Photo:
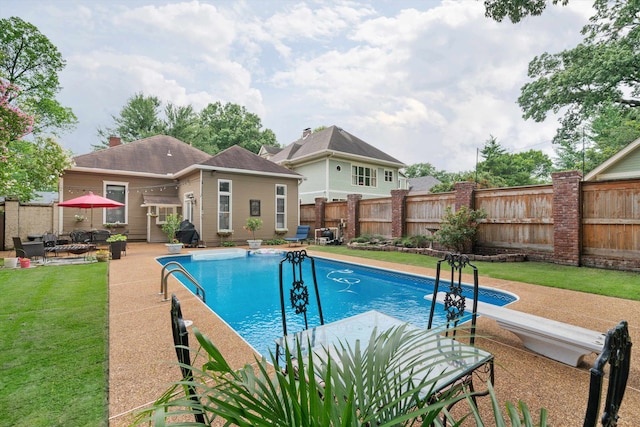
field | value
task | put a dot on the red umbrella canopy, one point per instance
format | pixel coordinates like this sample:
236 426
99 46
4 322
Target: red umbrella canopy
89 201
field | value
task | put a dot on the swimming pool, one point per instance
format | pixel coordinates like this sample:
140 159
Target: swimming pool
244 291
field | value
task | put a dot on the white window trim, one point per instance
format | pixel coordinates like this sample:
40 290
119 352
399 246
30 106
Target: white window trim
105 184
230 193
284 197
374 175
385 174
189 199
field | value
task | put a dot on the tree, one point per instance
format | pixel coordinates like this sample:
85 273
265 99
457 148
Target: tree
590 80
30 61
516 9
420 169
458 229
32 166
222 126
212 130
137 119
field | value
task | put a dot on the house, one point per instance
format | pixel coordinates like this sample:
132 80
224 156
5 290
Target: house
161 175
335 163
625 164
422 183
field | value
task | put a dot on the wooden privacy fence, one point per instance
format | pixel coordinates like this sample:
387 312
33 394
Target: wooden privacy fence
567 222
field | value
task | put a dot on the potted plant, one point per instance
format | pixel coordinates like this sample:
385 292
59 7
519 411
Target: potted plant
102 255
116 243
170 228
253 224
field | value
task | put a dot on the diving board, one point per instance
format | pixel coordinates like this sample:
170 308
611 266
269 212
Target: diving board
557 340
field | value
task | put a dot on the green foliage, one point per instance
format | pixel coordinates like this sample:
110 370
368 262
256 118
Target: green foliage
228 244
253 224
515 10
116 238
458 229
511 170
274 242
420 169
212 130
586 81
31 62
54 354
171 227
32 166
418 241
367 387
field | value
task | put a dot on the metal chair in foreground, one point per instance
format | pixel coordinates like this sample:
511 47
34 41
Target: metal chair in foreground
299 291
617 353
181 344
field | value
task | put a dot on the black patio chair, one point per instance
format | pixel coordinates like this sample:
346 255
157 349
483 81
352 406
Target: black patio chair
29 249
456 311
181 344
298 292
617 353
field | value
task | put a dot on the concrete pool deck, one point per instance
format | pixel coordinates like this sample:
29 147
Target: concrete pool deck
142 359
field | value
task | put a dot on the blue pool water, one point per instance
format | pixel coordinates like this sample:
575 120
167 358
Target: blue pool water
245 292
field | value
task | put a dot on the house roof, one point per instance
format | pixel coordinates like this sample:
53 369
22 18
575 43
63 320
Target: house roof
330 141
167 156
422 183
622 165
238 158
160 154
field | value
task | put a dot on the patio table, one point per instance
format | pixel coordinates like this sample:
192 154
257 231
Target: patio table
450 361
76 249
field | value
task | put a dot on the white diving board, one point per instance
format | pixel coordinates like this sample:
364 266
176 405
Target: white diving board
557 340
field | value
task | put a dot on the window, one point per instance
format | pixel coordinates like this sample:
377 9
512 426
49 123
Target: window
165 211
224 204
365 176
388 176
281 207
189 203
117 192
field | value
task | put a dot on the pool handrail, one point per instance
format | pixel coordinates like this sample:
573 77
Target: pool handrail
165 273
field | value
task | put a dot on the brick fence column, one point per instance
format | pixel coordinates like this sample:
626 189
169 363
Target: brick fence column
567 217
465 194
353 217
319 211
398 213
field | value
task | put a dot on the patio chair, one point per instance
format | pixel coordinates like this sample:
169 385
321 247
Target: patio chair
29 249
181 344
456 312
302 233
617 353
298 291
99 237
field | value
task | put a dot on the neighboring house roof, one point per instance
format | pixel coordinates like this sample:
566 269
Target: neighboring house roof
330 141
167 156
422 183
238 158
158 154
622 165
267 151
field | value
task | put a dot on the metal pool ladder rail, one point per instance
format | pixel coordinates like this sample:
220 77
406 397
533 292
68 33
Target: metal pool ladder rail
165 273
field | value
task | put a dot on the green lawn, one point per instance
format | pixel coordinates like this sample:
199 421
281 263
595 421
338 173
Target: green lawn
53 346
618 284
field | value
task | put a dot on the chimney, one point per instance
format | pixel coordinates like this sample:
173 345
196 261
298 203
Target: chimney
306 133
114 141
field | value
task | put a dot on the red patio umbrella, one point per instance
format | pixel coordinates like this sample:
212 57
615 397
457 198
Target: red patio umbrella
90 201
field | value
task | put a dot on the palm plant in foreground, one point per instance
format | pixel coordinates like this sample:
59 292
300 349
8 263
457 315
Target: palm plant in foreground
340 386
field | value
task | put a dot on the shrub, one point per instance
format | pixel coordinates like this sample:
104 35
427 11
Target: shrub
458 229
228 244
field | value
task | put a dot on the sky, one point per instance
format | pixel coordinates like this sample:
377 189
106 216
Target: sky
426 81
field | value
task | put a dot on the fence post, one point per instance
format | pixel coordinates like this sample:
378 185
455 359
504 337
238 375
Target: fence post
398 213
465 195
319 209
353 217
567 217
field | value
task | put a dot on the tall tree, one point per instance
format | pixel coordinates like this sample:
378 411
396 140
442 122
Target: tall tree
222 126
138 119
515 10
420 169
586 82
31 62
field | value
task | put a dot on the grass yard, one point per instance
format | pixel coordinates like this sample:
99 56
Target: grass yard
54 346
620 284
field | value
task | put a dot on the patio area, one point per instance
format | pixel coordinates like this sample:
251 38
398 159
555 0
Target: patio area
142 359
